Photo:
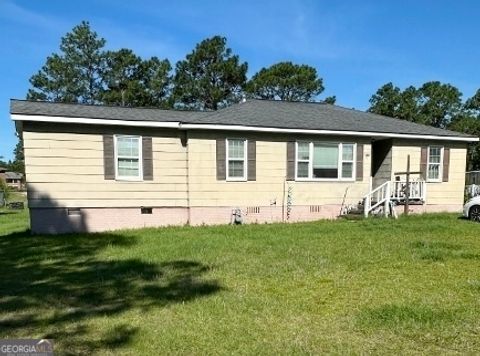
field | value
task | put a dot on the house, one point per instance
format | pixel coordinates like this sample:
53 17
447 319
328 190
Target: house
96 168
12 179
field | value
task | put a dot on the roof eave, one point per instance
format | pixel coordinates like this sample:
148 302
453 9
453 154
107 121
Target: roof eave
327 132
20 118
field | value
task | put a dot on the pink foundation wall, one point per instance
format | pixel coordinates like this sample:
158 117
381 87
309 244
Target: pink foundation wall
57 220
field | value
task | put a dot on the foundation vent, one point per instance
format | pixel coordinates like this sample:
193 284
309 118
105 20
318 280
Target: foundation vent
145 210
315 208
253 210
73 211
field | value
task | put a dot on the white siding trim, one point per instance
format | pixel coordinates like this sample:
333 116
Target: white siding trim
81 120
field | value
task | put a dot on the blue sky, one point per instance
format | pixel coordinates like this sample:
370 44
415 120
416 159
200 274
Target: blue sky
356 46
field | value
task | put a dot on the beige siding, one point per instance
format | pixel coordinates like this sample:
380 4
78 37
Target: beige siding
66 169
438 193
270 185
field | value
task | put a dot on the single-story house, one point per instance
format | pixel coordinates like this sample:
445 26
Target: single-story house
12 179
97 168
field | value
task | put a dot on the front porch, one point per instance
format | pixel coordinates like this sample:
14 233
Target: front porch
389 188
383 198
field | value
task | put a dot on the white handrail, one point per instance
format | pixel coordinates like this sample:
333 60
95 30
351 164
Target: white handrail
377 197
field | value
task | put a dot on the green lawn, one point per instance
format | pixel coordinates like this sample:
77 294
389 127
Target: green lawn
375 286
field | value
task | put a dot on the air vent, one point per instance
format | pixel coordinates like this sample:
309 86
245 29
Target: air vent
253 210
315 208
145 210
74 211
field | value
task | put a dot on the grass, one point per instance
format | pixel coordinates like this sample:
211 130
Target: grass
370 286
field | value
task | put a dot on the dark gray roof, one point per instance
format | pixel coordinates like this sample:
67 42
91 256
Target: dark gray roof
26 107
257 113
13 175
316 116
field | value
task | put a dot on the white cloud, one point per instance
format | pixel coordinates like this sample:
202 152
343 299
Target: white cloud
15 13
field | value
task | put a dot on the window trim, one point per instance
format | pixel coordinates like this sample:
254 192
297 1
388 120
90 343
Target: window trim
118 177
440 165
245 160
339 162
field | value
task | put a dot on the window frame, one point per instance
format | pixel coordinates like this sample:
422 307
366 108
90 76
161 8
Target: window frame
245 160
440 165
118 177
340 161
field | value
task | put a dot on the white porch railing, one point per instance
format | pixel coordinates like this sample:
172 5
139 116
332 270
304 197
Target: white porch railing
377 197
417 190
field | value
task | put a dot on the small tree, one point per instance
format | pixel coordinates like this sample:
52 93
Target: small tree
4 190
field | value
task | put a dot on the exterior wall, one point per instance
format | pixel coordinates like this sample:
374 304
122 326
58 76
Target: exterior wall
441 196
64 167
270 187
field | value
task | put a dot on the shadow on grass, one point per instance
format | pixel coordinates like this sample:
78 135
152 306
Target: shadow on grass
439 251
53 285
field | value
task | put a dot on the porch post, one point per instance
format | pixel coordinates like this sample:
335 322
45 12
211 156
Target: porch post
407 188
386 207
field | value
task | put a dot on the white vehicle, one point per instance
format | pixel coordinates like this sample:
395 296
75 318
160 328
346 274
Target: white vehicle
471 209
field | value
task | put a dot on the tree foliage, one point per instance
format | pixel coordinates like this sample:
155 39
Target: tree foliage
433 104
74 75
438 104
210 76
286 81
131 81
83 72
330 100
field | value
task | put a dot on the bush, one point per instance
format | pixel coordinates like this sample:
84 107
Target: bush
5 189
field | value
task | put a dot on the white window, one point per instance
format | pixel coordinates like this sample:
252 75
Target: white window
128 157
435 158
325 161
236 159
